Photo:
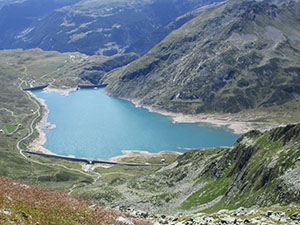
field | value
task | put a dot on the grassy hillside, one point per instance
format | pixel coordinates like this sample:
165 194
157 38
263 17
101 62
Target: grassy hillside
261 169
241 57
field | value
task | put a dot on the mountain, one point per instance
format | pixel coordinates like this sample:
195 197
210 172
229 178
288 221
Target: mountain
142 46
239 56
260 169
93 27
243 55
8 2
17 17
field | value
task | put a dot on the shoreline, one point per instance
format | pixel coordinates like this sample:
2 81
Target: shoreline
37 144
218 120
62 91
126 154
236 126
214 120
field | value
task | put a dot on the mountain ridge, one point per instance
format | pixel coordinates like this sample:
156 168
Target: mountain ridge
230 59
93 27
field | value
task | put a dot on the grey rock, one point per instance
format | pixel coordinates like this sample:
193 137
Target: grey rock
228 220
124 221
295 216
6 212
246 221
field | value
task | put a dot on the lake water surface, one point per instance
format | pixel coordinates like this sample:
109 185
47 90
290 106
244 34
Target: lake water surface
93 125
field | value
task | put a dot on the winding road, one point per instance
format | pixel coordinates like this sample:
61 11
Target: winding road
96 175
90 169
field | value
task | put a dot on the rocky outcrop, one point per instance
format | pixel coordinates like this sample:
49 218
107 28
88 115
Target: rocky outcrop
273 215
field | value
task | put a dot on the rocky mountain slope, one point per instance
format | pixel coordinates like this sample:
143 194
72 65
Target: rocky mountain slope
93 27
261 169
242 55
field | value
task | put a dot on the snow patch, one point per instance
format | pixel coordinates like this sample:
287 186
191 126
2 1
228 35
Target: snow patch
24 33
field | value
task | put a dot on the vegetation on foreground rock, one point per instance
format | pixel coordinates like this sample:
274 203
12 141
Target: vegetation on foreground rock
24 204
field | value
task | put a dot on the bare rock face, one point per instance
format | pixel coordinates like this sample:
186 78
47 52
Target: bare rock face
241 55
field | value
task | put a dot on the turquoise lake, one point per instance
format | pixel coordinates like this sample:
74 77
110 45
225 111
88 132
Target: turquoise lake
91 124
